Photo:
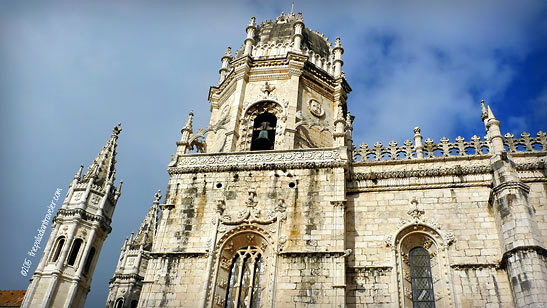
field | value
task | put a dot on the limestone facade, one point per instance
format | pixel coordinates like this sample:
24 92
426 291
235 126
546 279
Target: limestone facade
313 221
271 204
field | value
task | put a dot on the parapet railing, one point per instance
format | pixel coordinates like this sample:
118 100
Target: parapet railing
445 148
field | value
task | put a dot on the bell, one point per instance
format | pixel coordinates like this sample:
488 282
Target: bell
262 142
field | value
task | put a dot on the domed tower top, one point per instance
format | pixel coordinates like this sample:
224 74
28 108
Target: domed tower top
287 33
284 89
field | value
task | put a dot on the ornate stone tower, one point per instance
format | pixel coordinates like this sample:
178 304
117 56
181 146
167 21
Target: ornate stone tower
63 276
126 284
282 90
267 190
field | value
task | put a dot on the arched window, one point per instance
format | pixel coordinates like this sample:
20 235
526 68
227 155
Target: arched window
74 251
57 249
264 132
119 303
421 279
244 280
89 259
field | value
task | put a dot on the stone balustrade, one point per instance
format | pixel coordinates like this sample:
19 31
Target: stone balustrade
445 148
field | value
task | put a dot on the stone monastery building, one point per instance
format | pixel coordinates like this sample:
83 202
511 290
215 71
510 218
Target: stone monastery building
278 208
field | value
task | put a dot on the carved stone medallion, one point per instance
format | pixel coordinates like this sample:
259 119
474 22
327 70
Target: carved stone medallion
315 108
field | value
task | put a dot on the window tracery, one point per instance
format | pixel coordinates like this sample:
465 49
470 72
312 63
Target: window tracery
243 272
421 279
246 271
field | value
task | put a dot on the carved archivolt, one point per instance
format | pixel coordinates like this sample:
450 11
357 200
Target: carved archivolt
251 112
244 237
419 231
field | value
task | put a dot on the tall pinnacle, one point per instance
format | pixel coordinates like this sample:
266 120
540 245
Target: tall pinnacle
103 167
146 232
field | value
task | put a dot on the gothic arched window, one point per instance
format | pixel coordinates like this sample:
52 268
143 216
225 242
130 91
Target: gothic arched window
244 280
58 247
74 251
421 278
264 132
119 303
88 261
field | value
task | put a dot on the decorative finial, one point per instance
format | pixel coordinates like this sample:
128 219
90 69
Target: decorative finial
117 129
157 197
292 8
253 22
188 124
337 43
484 111
78 174
349 120
119 190
228 52
299 16
417 130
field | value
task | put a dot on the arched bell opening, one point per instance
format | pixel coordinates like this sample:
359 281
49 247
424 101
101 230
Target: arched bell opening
264 132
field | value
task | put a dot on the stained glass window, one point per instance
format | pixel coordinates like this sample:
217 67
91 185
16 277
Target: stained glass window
422 283
244 283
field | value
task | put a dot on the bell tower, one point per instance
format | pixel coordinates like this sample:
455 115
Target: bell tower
63 276
283 89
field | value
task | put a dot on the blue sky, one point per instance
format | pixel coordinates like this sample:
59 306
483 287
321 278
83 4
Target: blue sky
71 70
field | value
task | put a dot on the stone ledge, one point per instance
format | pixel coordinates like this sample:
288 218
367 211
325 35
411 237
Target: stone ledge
261 160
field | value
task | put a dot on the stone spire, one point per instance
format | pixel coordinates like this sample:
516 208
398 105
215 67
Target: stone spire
183 145
103 168
492 126
80 228
338 51
126 284
146 232
298 26
225 67
249 41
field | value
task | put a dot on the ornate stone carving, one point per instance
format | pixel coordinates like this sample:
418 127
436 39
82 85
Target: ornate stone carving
315 108
251 200
316 158
456 170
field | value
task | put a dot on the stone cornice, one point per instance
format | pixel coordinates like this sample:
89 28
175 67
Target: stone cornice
510 185
261 160
83 214
182 254
433 172
125 277
326 254
522 249
474 266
